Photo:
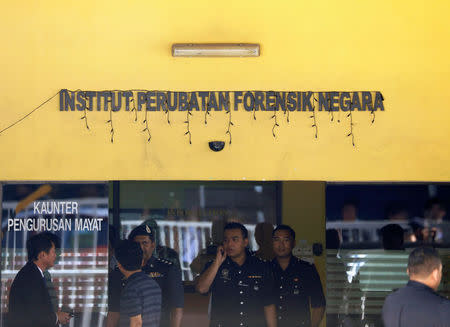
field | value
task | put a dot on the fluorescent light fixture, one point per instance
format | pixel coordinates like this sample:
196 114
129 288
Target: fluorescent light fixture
215 50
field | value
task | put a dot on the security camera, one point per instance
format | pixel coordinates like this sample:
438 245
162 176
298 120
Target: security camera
216 145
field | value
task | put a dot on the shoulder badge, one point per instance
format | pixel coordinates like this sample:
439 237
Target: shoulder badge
225 273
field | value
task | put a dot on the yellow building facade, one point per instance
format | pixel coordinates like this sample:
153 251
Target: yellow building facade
399 49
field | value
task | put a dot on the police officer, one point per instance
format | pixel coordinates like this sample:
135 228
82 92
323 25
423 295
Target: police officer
297 284
417 304
241 284
164 272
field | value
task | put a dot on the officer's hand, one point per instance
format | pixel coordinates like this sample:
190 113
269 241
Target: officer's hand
63 317
220 255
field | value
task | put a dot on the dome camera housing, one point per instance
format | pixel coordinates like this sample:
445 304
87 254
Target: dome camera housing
216 145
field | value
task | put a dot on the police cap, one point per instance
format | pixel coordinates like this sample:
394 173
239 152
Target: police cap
142 230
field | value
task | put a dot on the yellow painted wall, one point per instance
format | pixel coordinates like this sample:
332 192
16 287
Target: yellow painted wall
303 208
400 48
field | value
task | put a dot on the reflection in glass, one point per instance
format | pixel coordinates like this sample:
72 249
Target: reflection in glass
189 216
79 277
371 229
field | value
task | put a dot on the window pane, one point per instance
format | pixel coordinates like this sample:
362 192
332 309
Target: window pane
371 230
79 276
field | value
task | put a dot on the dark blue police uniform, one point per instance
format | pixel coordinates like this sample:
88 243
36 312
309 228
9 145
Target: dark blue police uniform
296 288
240 293
168 277
416 305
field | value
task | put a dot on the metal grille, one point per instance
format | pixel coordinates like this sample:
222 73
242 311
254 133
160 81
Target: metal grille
358 281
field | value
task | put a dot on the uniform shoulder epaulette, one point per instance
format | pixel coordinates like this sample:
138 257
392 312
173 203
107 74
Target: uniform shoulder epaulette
305 262
298 260
259 259
164 261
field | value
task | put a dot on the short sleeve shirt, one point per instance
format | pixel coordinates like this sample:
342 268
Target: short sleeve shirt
296 288
168 277
240 293
141 295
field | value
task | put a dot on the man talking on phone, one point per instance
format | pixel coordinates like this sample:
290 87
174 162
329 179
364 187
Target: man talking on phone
241 284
